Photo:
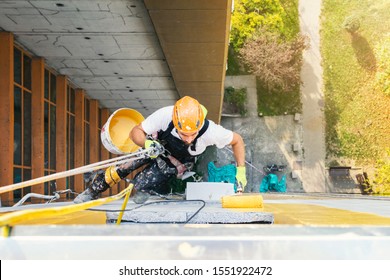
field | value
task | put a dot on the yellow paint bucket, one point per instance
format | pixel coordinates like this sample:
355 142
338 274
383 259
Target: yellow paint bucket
115 132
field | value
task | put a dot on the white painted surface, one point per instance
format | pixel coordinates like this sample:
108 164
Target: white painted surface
208 191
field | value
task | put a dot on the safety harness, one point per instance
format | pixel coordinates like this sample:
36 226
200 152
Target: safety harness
178 153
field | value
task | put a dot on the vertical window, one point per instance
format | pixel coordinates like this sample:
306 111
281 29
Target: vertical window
86 131
50 128
70 128
22 121
100 157
18 67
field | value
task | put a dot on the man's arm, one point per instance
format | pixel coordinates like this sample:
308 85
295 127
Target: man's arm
138 135
239 154
238 147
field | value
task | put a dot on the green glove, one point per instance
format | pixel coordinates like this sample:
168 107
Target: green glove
156 150
241 178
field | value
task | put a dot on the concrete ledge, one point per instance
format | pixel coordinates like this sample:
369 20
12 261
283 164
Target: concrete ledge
182 211
196 242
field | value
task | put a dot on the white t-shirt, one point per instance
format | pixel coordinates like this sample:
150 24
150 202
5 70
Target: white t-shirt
214 135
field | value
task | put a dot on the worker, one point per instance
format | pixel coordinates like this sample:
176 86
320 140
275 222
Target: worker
183 133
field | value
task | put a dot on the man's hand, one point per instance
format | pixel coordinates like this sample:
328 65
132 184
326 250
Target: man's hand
155 148
241 178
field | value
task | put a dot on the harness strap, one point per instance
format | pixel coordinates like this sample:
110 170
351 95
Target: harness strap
181 168
201 132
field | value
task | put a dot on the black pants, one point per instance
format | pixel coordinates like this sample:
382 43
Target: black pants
154 176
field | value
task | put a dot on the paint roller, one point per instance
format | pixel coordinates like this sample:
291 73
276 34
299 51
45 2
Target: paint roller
242 201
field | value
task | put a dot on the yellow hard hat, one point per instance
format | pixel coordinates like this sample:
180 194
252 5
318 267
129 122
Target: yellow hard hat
188 115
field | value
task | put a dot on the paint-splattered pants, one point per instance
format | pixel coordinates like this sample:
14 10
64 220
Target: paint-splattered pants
154 176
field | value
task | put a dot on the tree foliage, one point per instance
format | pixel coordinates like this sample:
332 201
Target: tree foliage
381 182
351 24
250 15
275 61
382 78
236 98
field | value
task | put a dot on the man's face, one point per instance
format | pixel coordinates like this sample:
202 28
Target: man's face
187 138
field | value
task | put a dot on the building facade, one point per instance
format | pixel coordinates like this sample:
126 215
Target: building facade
47 125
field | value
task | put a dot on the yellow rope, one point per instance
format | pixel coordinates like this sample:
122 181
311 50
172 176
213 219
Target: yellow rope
79 170
5 231
118 221
14 218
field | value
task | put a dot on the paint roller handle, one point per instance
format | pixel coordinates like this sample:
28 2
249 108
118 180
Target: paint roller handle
239 188
155 148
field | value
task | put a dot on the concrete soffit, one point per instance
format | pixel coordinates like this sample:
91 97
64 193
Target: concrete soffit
129 53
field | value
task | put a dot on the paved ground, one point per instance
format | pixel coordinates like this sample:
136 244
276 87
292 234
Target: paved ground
313 120
297 141
269 140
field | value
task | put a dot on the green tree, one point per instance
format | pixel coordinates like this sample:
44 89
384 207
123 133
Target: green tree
249 15
381 182
382 78
236 98
275 61
351 24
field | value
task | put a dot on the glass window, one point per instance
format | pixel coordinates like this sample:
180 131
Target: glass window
100 156
17 179
46 95
26 177
17 66
46 134
71 141
17 126
27 129
52 137
53 88
86 130
67 142
86 111
46 184
100 118
70 128
49 187
86 127
50 123
22 121
73 101
27 72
